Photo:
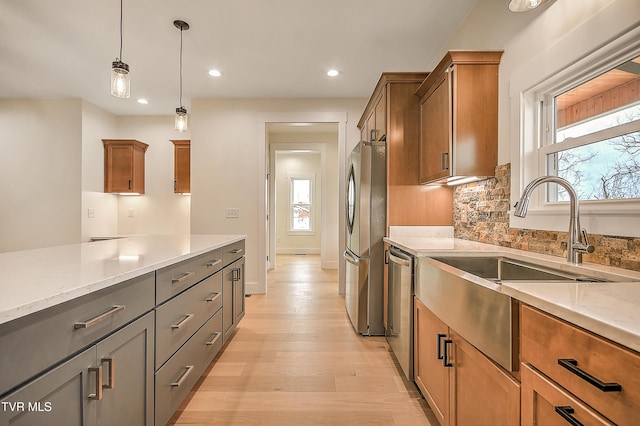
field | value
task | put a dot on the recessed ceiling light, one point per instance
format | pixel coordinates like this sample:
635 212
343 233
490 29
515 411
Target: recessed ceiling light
214 73
333 73
143 101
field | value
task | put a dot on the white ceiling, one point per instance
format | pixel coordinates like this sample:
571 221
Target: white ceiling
264 48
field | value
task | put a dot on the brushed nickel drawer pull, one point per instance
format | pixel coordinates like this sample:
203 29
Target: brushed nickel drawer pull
235 274
93 321
572 366
97 396
213 297
237 251
566 411
182 322
185 276
213 263
216 336
111 384
182 378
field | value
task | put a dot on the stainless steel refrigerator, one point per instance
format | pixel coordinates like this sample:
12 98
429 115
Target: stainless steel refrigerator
366 226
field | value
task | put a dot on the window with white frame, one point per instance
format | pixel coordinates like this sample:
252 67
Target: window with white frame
302 206
591 135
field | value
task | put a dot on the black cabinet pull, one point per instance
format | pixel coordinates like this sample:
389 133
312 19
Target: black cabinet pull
566 412
439 354
572 365
445 360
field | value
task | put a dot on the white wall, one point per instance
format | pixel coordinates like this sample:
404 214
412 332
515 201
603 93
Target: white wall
537 45
40 171
159 210
97 124
298 164
226 158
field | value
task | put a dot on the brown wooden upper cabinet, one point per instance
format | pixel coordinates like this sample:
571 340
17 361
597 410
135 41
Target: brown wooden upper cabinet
392 115
124 165
459 117
182 166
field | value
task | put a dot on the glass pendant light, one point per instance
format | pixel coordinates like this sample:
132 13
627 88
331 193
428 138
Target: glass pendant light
120 82
181 111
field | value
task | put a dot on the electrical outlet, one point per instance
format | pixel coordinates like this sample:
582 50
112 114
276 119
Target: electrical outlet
232 213
91 213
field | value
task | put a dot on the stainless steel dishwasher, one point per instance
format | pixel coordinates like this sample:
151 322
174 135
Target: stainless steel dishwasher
399 331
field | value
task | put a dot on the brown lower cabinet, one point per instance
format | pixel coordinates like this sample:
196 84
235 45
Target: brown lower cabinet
545 403
461 385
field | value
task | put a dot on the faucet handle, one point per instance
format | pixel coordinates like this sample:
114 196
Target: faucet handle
585 247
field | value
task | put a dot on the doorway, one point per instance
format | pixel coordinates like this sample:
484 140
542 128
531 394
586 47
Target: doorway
331 190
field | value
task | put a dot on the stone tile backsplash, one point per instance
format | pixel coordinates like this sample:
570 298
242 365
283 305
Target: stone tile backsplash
481 213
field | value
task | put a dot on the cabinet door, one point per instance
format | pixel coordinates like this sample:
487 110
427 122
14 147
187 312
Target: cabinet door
431 376
238 291
59 397
436 131
126 358
182 166
120 168
473 375
381 116
544 403
227 302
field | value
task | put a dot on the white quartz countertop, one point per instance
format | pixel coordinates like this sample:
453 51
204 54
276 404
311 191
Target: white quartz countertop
33 280
610 309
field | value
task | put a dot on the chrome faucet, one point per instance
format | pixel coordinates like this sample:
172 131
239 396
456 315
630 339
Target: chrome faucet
578 239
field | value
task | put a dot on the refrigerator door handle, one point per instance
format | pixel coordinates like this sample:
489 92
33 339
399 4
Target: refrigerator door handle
349 257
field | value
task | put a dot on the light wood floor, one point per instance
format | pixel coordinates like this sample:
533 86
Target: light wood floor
296 360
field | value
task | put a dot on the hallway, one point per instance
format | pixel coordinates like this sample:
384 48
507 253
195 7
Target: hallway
295 360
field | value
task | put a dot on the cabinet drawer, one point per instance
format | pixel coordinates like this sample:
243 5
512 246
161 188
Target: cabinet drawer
38 341
175 379
548 342
180 317
176 278
544 403
233 252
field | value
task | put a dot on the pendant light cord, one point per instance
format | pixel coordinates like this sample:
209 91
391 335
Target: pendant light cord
180 66
120 59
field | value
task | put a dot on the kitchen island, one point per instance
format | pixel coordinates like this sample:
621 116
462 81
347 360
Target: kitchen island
575 344
117 329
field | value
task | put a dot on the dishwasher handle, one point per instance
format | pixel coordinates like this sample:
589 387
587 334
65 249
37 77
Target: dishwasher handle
399 258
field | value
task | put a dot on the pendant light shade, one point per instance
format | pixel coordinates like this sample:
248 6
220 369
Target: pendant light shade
181 119
120 82
181 122
525 5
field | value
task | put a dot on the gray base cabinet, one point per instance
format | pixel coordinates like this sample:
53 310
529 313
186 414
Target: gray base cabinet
234 293
107 384
125 355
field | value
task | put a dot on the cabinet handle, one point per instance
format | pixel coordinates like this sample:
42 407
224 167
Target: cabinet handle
439 354
237 251
182 322
566 411
235 274
445 356
129 183
111 384
99 318
184 276
572 366
445 161
183 377
97 396
213 297
216 336
213 263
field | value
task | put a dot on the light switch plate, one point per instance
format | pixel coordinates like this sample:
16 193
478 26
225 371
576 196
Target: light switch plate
91 213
